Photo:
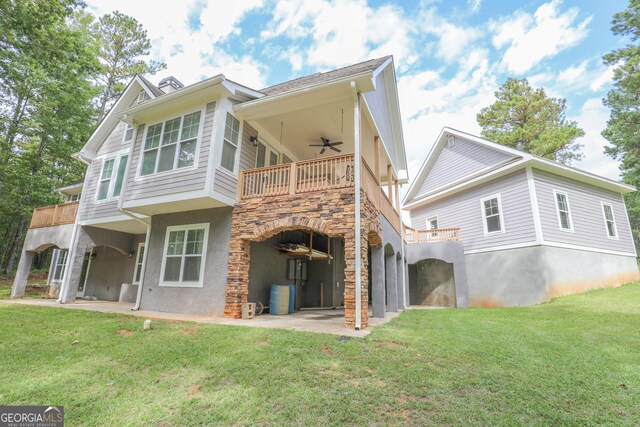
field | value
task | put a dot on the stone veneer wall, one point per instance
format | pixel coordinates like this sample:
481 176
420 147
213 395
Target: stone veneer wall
330 212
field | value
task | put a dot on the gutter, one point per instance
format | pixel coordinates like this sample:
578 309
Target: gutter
132 216
358 231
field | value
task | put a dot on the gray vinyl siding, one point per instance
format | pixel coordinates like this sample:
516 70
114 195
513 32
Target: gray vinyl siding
177 181
227 184
379 106
586 213
89 208
463 210
462 159
247 149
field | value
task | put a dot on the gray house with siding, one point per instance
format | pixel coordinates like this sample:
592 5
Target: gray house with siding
520 229
184 184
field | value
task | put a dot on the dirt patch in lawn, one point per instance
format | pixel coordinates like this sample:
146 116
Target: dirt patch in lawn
125 332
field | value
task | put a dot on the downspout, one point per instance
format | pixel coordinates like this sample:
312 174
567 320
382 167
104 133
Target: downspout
358 231
131 215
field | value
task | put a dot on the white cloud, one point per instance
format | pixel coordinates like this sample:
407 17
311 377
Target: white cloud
593 118
528 39
192 55
474 5
337 33
220 22
453 40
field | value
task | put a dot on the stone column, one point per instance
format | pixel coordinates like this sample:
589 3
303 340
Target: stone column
22 275
391 279
379 308
237 289
350 280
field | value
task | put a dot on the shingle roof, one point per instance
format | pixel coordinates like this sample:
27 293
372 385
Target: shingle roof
153 88
316 78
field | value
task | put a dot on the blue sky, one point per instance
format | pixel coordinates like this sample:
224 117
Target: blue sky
450 56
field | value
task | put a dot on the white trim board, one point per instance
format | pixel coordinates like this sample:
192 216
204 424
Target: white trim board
550 244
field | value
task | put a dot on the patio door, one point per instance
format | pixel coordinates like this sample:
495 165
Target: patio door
266 155
84 273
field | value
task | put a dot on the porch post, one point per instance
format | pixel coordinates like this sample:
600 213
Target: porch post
22 275
357 163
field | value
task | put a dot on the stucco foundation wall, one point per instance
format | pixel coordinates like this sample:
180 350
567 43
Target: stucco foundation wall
514 277
107 272
570 271
39 239
208 300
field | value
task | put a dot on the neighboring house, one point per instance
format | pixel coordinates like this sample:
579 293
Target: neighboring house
197 199
522 229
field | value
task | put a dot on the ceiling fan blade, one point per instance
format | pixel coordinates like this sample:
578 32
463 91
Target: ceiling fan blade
322 151
317 145
337 143
336 149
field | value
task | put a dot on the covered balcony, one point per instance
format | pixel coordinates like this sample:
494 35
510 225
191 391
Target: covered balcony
48 216
319 175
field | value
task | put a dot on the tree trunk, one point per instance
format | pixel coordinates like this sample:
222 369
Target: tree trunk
17 238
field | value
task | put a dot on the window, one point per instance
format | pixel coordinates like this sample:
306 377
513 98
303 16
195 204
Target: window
73 197
564 214
184 255
230 143
59 266
171 145
143 96
105 179
111 178
492 214
432 223
610 221
138 268
128 134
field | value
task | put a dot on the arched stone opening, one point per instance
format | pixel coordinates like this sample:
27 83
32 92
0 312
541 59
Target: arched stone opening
432 283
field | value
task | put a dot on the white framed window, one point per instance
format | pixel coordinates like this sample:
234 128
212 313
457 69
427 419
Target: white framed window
609 220
564 211
266 155
73 197
143 96
185 249
432 223
112 177
230 143
171 144
493 222
137 272
59 265
128 134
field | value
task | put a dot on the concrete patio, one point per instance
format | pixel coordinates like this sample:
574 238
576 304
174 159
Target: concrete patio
320 321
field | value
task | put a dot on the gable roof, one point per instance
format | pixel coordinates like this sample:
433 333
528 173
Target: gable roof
314 79
101 132
523 160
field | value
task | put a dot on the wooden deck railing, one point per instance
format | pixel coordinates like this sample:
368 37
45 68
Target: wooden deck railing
378 197
298 177
411 235
47 216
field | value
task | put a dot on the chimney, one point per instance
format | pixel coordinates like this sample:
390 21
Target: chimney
169 84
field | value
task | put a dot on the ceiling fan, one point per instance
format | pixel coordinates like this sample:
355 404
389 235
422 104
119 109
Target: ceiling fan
326 143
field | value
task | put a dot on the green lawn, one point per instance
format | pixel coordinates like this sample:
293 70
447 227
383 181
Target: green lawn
32 291
573 361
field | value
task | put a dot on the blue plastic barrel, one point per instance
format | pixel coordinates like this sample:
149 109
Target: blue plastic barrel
279 303
292 298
